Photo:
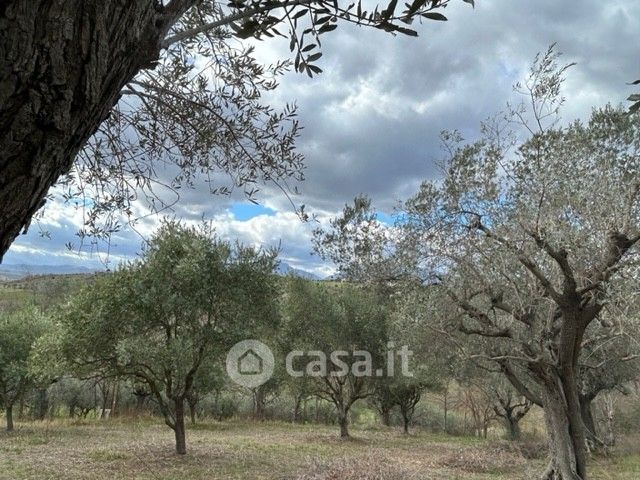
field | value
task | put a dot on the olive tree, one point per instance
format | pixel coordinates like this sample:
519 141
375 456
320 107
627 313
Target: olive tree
532 236
161 320
360 246
19 331
341 331
610 360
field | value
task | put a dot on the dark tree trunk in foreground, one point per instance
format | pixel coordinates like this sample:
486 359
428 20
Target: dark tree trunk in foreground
9 415
141 398
62 66
408 399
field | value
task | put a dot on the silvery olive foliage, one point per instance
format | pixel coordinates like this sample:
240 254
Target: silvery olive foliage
533 232
360 246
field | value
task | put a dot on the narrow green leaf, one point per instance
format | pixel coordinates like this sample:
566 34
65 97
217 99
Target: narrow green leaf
327 27
435 16
407 31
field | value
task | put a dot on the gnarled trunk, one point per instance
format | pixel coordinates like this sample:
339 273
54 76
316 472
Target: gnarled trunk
565 429
62 66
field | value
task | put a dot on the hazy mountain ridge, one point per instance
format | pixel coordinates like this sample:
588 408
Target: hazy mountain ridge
285 269
20 271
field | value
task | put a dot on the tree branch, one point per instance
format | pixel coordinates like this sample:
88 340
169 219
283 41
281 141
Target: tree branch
519 385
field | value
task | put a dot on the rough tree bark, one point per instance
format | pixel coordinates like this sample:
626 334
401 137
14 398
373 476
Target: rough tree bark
63 64
560 400
568 458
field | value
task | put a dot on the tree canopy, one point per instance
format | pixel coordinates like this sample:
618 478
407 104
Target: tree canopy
533 240
164 319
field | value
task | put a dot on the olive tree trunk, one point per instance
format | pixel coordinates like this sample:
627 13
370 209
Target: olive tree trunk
567 441
343 420
9 417
513 425
63 64
406 420
179 428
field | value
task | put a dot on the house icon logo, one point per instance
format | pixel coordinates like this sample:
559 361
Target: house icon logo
250 363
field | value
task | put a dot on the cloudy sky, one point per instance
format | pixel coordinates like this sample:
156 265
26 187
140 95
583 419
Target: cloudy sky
372 119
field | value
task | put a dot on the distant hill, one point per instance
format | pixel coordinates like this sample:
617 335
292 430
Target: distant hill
19 271
43 290
286 269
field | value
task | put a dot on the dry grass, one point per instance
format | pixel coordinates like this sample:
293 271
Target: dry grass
143 449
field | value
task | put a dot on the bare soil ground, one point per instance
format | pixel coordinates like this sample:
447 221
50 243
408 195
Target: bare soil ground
143 449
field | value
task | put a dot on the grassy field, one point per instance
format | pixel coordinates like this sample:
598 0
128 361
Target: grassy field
143 449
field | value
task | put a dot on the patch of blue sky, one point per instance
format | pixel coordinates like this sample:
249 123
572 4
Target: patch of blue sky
398 217
247 211
386 218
